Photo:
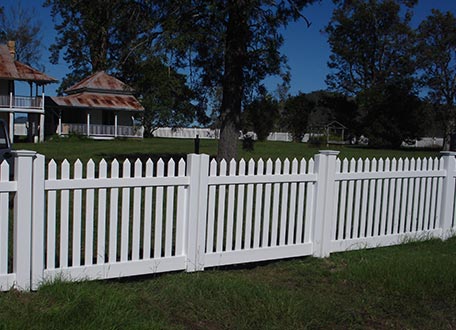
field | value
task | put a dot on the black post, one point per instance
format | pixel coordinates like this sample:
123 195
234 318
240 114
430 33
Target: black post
197 144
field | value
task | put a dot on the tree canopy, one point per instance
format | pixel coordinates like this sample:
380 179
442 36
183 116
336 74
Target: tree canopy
436 59
20 24
232 45
371 43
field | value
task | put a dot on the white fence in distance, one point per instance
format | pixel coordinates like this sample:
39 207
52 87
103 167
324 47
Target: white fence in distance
97 221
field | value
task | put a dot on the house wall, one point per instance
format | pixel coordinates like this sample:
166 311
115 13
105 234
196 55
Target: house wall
124 119
4 88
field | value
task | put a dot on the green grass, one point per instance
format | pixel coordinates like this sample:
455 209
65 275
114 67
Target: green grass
412 286
74 147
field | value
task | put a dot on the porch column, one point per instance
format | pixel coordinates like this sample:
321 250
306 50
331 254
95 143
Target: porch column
42 127
115 124
88 123
11 126
59 129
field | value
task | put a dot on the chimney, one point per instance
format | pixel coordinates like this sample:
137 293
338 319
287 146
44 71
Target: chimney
12 48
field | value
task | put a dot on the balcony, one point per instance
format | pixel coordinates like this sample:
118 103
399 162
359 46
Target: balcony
10 103
102 130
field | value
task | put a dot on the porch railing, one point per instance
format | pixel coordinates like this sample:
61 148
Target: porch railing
103 130
21 102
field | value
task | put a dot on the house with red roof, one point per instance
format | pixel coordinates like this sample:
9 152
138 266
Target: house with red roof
11 104
99 106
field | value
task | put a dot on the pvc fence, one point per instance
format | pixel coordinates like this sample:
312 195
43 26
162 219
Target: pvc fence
97 221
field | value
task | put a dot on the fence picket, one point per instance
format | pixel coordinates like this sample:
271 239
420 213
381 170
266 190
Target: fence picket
427 206
137 196
284 204
240 207
378 200
169 211
113 215
364 205
422 196
371 214
77 213
357 207
89 228
51 218
391 199
267 207
101 225
434 184
292 208
211 209
64 217
342 202
416 204
249 207
221 208
410 199
4 219
258 206
385 195
275 204
310 200
158 230
230 210
180 213
125 215
148 202
402 222
300 203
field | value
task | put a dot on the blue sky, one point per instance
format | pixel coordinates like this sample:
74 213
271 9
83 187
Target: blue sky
306 48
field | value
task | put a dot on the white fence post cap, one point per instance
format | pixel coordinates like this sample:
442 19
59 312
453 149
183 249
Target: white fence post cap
329 152
24 153
447 153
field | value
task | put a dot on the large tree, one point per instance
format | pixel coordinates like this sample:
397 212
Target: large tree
371 43
436 57
372 47
20 24
232 45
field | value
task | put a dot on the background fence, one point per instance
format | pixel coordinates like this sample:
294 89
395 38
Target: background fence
96 221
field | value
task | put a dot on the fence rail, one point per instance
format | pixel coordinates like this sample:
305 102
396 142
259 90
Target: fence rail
98 221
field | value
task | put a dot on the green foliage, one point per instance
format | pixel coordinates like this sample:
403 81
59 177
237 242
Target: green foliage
371 43
295 115
261 116
99 35
394 115
20 24
436 58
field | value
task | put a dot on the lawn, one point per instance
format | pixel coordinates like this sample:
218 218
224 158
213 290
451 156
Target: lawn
75 147
412 286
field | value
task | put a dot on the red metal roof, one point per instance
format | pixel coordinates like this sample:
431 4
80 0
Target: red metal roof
15 70
100 91
100 82
99 101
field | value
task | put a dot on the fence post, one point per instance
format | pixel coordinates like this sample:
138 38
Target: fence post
23 173
446 211
325 169
198 171
38 227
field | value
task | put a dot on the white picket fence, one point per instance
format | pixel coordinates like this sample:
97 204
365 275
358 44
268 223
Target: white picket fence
102 221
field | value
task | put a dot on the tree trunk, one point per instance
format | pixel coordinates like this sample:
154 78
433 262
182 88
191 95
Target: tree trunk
233 81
